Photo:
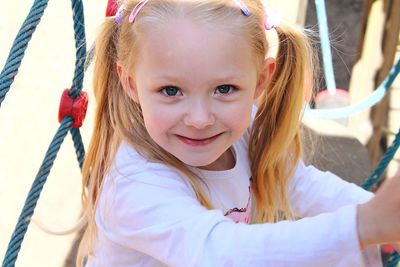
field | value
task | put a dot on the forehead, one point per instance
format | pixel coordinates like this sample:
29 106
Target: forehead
186 44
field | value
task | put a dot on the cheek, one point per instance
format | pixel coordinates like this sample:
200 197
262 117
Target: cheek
157 120
242 123
239 117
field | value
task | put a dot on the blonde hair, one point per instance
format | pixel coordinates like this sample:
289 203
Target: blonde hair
274 147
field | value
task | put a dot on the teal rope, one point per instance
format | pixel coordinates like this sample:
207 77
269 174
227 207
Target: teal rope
376 176
325 46
80 67
78 144
80 45
30 203
374 98
393 260
66 125
19 46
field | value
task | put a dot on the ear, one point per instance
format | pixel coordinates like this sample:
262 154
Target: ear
265 76
128 83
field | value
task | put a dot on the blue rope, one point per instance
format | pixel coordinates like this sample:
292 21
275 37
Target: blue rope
19 46
66 125
325 46
80 45
34 194
79 148
376 176
80 67
393 260
344 112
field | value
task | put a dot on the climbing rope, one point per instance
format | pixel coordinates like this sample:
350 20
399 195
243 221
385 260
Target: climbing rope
393 260
80 45
376 176
33 196
325 46
67 122
19 46
375 97
343 112
78 144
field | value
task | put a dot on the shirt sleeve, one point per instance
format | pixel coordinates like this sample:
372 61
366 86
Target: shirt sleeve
159 216
313 191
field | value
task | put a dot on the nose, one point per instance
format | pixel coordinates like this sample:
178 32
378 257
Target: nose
199 114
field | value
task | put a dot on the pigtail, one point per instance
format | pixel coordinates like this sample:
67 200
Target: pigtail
105 77
95 165
275 144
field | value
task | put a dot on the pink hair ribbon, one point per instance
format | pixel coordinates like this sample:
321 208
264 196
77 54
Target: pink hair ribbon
136 10
271 20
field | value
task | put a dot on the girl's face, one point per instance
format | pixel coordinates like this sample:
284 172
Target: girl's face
196 85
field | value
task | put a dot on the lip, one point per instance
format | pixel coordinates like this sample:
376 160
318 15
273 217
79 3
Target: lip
198 142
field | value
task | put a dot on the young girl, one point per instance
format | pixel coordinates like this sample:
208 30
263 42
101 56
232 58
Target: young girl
184 170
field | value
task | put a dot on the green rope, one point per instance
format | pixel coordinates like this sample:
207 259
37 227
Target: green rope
33 196
393 260
19 47
376 176
66 125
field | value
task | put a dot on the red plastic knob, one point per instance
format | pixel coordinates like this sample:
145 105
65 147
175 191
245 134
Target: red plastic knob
112 7
388 249
75 108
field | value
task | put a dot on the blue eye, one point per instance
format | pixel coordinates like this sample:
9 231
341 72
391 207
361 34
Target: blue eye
171 91
225 89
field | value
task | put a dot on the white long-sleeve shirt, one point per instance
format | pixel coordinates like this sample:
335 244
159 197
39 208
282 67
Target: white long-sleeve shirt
148 215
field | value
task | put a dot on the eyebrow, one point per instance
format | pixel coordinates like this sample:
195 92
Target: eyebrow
227 73
167 78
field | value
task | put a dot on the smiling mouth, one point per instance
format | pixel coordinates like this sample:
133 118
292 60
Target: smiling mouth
198 142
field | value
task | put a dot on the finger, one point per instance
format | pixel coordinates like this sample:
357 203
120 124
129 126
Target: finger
397 173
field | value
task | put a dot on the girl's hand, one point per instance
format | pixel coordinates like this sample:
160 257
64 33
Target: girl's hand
379 219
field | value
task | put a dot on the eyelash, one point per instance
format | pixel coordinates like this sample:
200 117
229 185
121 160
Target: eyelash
231 89
165 88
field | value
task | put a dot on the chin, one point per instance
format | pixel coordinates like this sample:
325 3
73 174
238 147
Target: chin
196 163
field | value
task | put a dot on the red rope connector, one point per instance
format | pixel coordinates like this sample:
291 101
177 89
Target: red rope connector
112 7
75 108
387 249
